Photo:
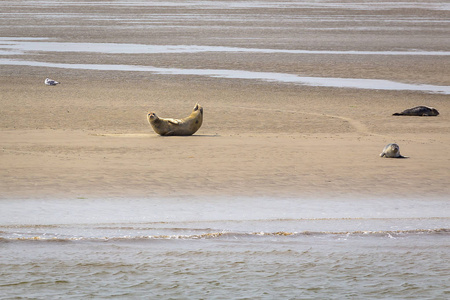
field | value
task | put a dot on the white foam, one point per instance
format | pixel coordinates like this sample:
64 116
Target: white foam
357 83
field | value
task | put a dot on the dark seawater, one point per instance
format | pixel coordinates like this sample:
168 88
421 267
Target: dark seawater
227 248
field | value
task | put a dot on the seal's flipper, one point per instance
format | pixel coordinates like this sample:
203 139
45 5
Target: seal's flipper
174 121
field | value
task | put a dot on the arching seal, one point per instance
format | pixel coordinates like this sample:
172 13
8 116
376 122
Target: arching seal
419 111
186 126
391 151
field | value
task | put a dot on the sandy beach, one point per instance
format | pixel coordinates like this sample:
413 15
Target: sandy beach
89 137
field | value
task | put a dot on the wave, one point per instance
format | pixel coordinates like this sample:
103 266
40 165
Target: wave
236 235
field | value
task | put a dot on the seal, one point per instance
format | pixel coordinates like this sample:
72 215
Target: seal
419 111
186 126
391 151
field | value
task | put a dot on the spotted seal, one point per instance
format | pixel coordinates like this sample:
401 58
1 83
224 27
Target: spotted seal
419 111
186 126
391 151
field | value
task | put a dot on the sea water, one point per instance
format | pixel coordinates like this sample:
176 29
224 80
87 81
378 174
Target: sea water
225 248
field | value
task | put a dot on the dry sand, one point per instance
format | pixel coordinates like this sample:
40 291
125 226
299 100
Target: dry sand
88 137
91 139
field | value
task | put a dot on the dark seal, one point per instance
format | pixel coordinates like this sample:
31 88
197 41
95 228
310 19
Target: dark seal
421 111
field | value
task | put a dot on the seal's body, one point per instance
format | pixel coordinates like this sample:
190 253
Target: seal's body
186 126
419 111
391 151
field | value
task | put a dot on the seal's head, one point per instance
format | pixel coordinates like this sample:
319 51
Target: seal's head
395 148
198 107
434 111
151 117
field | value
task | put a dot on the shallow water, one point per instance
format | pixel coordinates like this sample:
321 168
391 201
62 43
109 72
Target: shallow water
226 27
225 248
22 45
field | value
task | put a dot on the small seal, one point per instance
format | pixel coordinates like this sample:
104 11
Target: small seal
419 111
186 126
49 81
391 151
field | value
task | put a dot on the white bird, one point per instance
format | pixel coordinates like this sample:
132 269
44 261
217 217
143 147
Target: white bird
49 81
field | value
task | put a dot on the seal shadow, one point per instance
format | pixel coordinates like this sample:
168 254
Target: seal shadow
123 135
189 136
151 135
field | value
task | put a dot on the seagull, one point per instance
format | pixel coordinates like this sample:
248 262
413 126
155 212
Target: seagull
49 81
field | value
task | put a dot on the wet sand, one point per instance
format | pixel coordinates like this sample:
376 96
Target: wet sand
88 137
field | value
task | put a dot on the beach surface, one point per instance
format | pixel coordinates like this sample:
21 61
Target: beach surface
89 137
